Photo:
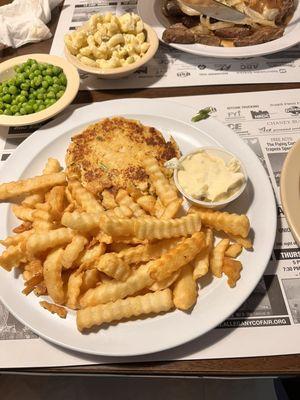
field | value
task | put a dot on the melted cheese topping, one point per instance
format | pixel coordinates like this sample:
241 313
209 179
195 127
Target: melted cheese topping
207 177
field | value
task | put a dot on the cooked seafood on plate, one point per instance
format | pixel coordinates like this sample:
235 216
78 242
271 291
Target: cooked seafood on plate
266 21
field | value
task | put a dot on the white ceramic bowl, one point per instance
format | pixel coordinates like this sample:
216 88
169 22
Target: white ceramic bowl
7 72
226 156
120 72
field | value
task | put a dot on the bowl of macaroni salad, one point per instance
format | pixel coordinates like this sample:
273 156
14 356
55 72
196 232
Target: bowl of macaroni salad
111 46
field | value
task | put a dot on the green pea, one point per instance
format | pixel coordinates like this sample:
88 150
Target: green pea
5 90
39 102
51 95
22 111
63 79
7 106
24 93
52 101
45 84
59 94
31 90
36 72
14 109
1 111
7 98
49 79
35 107
40 96
31 76
13 89
13 102
1 105
7 112
56 80
1 88
42 107
21 99
34 67
25 86
28 109
31 102
17 114
44 72
32 96
18 69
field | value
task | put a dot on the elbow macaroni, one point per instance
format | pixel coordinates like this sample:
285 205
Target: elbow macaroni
107 41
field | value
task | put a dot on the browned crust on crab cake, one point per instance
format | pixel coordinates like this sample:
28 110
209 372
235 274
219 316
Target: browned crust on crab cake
104 155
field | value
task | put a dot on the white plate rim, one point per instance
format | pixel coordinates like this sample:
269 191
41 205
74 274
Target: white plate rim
289 39
129 106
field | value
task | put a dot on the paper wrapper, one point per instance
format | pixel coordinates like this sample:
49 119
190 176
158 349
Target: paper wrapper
24 21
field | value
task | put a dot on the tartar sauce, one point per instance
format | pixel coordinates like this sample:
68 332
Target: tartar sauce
207 177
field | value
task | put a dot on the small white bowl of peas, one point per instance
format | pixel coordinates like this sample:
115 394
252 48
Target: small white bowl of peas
34 88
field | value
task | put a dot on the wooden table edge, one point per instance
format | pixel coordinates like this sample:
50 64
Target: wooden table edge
284 365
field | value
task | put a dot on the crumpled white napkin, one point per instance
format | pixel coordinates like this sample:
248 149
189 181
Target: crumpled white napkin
24 21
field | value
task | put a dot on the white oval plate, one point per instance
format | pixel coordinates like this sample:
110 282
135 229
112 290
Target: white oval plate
150 12
216 301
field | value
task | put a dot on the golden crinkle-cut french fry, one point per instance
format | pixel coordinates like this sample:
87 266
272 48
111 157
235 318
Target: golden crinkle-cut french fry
23 213
108 200
147 252
113 290
124 199
44 240
234 250
73 290
166 192
159 209
147 203
52 166
84 198
12 257
223 221
201 261
131 307
177 257
42 206
150 227
90 279
113 266
185 290
31 283
232 269
52 270
54 309
25 226
73 250
165 283
121 211
217 257
14 240
42 225
32 268
56 201
81 222
26 186
91 255
33 199
172 209
244 242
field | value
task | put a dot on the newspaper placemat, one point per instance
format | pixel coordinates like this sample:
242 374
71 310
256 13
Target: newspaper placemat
268 323
171 67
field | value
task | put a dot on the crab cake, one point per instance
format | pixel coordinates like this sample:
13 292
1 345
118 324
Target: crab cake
104 155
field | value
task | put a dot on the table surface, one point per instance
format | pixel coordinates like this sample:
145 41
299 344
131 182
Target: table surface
252 366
